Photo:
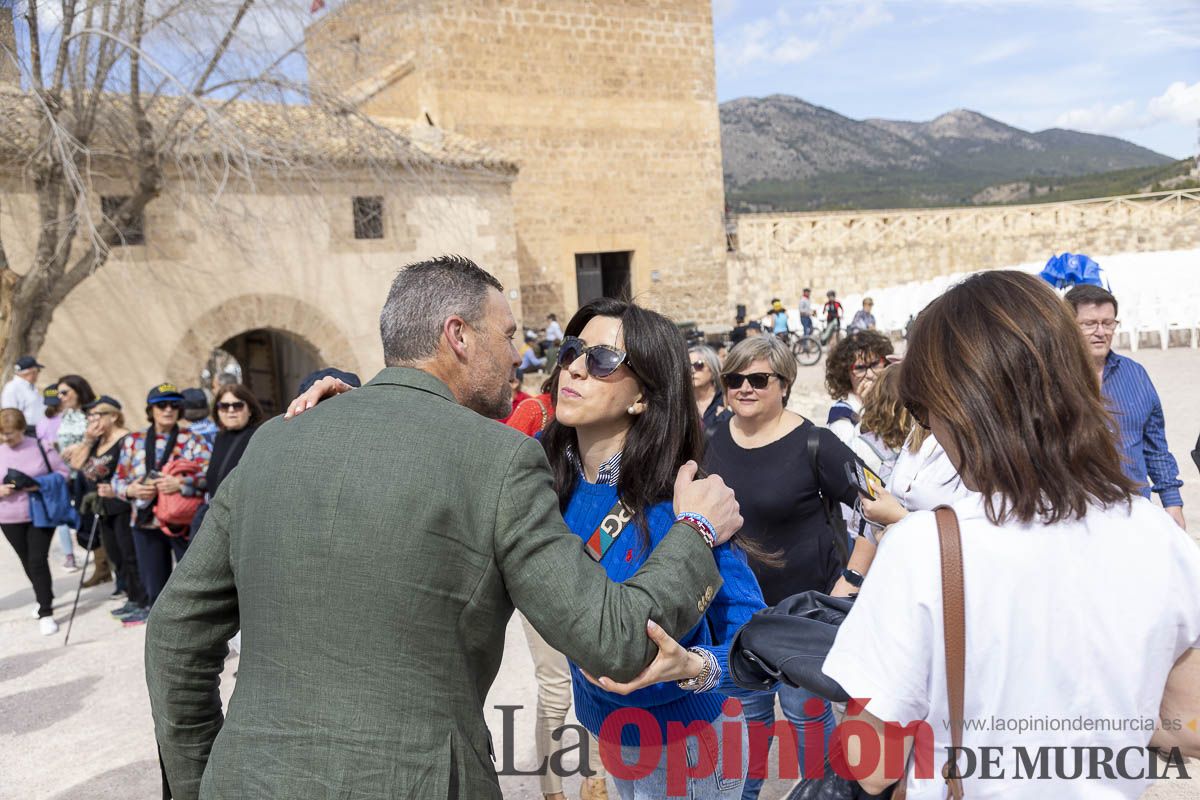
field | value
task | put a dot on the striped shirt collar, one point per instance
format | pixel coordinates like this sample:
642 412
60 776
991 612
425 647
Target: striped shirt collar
610 471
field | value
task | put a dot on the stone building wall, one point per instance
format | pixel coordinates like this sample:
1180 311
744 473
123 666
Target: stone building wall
282 257
608 108
779 254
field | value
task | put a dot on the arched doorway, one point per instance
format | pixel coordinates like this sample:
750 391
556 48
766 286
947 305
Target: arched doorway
270 362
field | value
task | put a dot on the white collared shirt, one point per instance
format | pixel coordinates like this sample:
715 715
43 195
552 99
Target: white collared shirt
21 394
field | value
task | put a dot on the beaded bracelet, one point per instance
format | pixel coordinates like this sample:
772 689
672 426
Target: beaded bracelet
700 524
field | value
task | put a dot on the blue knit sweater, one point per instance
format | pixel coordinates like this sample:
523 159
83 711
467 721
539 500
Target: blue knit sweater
732 606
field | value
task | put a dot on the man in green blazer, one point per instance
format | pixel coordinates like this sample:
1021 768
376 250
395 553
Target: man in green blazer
371 551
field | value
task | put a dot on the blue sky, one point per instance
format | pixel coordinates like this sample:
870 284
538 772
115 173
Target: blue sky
1127 68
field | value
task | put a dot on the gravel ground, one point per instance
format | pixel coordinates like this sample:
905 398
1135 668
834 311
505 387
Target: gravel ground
74 720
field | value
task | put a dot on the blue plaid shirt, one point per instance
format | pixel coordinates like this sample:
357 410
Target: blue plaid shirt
1142 439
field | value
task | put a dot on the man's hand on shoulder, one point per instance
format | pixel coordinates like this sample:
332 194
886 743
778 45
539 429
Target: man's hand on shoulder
710 498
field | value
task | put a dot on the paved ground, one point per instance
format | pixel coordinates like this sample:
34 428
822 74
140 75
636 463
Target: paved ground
74 720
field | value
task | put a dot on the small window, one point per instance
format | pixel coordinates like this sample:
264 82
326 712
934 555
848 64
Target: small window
368 218
134 232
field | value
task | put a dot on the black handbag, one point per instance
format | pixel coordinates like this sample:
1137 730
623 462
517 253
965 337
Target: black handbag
790 641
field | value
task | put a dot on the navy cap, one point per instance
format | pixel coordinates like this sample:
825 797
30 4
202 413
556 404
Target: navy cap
195 399
50 395
164 393
103 400
346 377
28 362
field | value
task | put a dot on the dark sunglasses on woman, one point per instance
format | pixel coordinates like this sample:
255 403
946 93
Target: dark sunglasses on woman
237 405
698 366
602 360
758 380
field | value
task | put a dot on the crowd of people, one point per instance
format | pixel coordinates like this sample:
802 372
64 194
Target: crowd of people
658 497
135 495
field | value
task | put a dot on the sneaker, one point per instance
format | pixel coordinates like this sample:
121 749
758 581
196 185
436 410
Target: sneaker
48 625
69 564
128 608
136 618
36 611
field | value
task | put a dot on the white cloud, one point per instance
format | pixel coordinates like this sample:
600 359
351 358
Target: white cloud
1179 103
784 38
1102 118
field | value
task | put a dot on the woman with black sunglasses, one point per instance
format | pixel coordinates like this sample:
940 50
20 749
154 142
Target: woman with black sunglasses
762 453
625 421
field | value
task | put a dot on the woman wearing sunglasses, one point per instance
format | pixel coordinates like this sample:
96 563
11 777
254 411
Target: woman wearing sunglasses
140 481
238 414
706 381
762 453
626 420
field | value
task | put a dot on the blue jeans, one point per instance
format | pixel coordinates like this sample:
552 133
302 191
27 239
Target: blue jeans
64 540
806 324
716 785
761 708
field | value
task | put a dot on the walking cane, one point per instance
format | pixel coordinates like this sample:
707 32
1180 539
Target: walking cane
87 555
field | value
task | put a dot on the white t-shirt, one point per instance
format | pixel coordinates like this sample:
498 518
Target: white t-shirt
20 393
1082 620
926 479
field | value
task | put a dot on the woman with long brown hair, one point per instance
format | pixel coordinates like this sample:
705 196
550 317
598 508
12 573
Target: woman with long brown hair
1082 598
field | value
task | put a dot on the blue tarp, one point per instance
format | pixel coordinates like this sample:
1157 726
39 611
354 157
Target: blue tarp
1070 269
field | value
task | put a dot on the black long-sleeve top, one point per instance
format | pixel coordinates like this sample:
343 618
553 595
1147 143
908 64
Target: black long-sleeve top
781 507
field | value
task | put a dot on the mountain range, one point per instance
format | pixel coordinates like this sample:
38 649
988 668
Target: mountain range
781 153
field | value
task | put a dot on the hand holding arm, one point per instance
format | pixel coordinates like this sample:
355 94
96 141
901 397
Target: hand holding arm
673 663
323 389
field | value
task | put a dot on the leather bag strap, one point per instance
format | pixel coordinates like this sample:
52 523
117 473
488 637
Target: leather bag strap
954 623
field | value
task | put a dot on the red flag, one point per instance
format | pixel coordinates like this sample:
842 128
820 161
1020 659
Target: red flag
317 5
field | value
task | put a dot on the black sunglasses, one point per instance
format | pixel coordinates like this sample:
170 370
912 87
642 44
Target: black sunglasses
758 380
602 360
171 405
917 412
237 405
698 365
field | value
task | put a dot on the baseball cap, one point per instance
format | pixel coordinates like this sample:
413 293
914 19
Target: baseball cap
103 403
341 375
194 398
50 395
28 362
164 393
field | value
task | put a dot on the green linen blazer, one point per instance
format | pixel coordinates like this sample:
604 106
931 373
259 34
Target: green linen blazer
371 552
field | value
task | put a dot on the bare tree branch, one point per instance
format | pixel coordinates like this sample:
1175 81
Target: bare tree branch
35 44
217 55
60 60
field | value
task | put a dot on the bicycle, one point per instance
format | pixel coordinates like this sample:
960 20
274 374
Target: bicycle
806 347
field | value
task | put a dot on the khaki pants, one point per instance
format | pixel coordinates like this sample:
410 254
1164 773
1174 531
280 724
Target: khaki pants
554 700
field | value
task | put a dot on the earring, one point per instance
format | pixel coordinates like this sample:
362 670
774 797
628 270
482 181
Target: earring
631 410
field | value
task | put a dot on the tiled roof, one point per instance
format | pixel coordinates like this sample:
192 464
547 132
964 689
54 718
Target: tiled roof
270 133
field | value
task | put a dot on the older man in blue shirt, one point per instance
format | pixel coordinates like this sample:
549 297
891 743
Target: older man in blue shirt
1132 399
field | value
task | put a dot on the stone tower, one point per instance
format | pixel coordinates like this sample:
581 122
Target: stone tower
608 107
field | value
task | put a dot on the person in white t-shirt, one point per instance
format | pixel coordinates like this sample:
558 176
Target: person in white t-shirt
1082 598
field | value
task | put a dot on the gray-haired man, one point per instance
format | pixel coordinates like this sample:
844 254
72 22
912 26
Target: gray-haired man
364 675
